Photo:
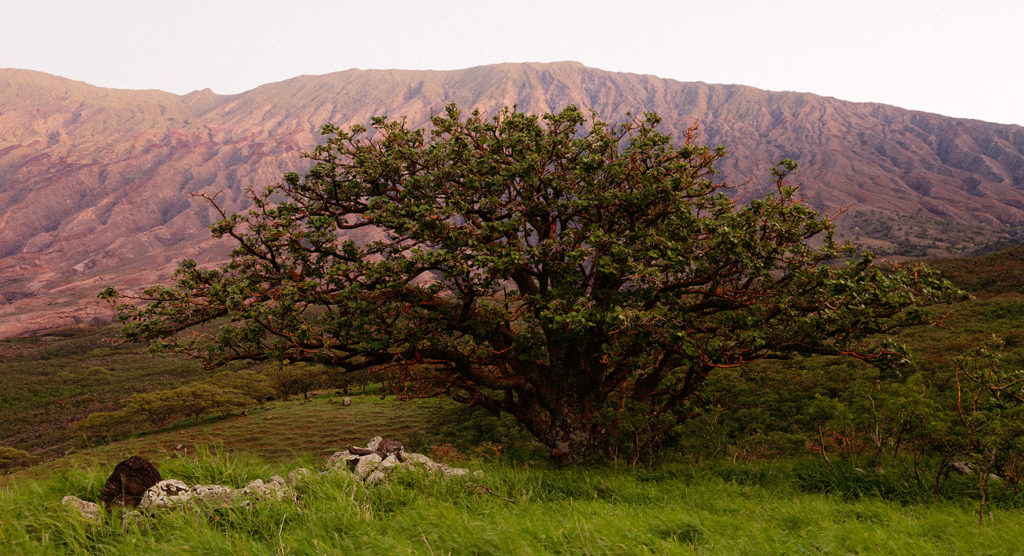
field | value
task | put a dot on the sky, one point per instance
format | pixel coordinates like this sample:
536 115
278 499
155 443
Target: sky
962 58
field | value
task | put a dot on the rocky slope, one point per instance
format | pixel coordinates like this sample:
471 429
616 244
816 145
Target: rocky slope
95 183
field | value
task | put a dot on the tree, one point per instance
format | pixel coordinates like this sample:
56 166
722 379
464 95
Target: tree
570 272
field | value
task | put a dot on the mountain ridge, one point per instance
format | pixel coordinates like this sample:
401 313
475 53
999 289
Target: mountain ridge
95 183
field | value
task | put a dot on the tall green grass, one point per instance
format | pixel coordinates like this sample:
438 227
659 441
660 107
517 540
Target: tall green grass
675 509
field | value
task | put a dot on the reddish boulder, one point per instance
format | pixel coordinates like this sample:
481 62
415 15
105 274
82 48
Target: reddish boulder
130 479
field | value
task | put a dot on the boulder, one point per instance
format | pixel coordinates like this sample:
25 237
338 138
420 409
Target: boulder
166 493
130 479
342 460
374 443
963 467
213 495
454 471
421 460
89 510
390 447
366 464
296 476
273 489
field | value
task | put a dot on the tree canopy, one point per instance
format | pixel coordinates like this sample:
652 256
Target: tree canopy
584 277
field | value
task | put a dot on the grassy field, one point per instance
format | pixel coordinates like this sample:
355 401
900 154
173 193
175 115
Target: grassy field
675 509
515 507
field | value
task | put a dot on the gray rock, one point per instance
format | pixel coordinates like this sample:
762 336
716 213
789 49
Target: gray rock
374 443
214 495
166 493
273 489
454 471
342 461
295 476
375 477
420 460
962 467
367 464
89 510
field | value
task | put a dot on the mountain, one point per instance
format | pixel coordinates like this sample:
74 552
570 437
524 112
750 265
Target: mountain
95 183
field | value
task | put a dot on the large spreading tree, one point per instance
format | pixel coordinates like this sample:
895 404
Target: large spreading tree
586 278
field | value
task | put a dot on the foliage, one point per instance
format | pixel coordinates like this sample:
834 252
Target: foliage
296 378
556 268
13 458
248 382
990 404
39 405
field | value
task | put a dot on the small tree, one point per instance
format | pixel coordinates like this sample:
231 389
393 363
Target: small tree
295 378
558 268
990 404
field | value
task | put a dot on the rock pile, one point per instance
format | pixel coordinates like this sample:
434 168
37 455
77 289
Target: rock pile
381 456
369 464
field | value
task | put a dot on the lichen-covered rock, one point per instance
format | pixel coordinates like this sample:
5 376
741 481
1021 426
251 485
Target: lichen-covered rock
420 460
375 476
344 460
454 471
166 493
213 495
89 510
366 464
273 489
295 476
374 443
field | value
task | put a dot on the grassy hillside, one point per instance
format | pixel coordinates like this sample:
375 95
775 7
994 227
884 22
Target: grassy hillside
675 509
747 480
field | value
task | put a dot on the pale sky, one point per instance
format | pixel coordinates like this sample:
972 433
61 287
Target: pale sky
961 58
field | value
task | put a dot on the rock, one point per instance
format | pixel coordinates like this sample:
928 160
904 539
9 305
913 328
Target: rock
131 518
389 447
478 473
129 481
89 510
366 464
342 460
273 489
376 476
962 467
166 493
454 471
346 401
214 495
295 476
420 460
374 443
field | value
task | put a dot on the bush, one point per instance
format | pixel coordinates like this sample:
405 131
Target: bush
13 458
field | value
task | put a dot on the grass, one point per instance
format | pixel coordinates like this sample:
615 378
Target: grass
283 431
49 382
675 509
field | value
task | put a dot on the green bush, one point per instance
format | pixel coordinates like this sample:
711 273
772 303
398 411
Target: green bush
13 458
